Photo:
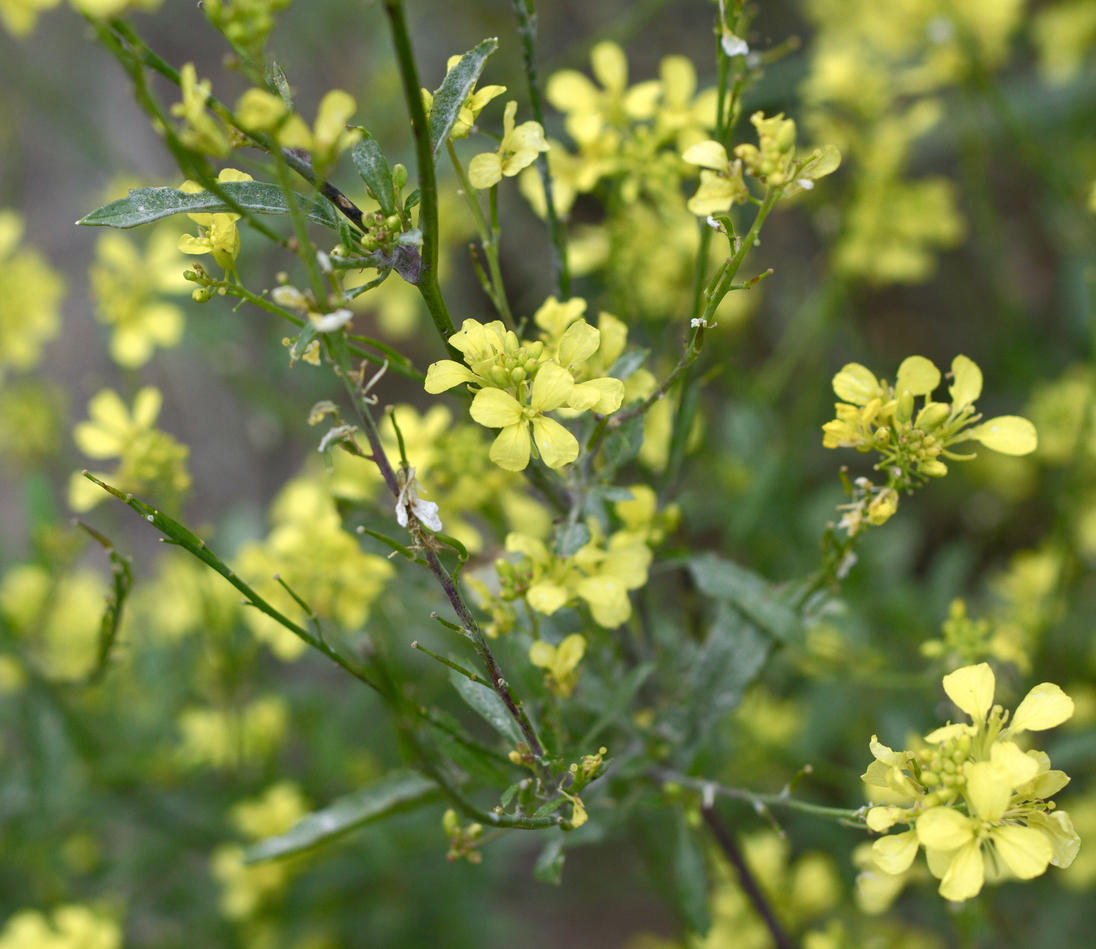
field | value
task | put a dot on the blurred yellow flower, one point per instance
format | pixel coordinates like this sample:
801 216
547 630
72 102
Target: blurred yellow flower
30 298
128 287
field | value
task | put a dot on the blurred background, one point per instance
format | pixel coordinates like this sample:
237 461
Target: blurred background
962 220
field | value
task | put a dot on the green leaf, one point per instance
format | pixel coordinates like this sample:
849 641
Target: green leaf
397 791
454 90
145 205
622 444
689 879
122 577
549 865
749 592
628 362
571 538
619 701
729 659
487 704
373 167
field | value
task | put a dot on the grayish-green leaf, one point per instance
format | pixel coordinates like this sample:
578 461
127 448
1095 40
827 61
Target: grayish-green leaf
373 167
628 362
486 703
454 90
145 205
748 591
618 701
571 538
622 444
689 879
397 791
549 865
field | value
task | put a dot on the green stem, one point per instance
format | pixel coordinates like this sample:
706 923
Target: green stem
760 799
428 188
527 30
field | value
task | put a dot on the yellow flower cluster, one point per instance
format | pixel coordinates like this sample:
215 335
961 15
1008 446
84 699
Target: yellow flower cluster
129 285
231 737
68 927
322 563
262 111
244 887
600 574
217 233
972 797
876 416
517 383
149 460
30 297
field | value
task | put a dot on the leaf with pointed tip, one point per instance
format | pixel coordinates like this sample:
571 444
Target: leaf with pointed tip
549 865
571 538
486 703
750 593
373 167
454 90
145 205
397 791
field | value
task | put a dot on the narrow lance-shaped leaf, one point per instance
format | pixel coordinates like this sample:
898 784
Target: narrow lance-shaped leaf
487 704
122 577
455 89
373 167
398 791
145 205
751 593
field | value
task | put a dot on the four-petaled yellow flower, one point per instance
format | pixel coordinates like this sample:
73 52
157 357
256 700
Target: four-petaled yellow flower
201 131
559 662
517 150
217 233
495 408
721 183
973 798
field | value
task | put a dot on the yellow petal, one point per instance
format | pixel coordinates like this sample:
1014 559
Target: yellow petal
610 65
495 409
546 597
445 374
895 853
1045 706
918 375
146 407
603 395
557 446
709 154
856 384
988 790
484 170
968 381
971 688
542 654
1008 434
965 875
551 387
941 828
570 653
510 451
1025 850
579 342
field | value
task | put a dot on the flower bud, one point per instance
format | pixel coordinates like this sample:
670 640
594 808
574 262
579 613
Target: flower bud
903 411
399 176
932 416
932 468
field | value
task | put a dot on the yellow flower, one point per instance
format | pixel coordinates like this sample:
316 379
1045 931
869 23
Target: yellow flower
721 184
217 233
230 738
20 16
560 662
102 9
200 131
70 926
128 287
321 562
149 460
517 150
494 408
329 137
30 297
470 110
972 797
